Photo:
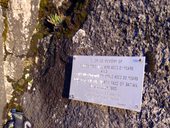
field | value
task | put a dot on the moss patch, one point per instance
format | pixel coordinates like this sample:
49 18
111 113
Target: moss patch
75 17
5 31
19 86
46 8
75 12
4 34
4 3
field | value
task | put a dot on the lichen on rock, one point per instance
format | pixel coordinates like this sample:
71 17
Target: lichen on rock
98 27
20 19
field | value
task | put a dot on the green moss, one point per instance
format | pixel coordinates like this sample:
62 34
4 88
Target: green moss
4 34
72 24
43 4
75 12
12 104
33 44
4 3
19 88
21 85
55 19
46 8
75 17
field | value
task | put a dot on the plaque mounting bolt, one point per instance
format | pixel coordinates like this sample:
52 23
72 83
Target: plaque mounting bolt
71 96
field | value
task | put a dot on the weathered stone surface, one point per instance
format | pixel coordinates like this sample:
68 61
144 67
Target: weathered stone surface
117 28
13 69
49 81
133 28
22 17
21 22
58 3
2 86
83 115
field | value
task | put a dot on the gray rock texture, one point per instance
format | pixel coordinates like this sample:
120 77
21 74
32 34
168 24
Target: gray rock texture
132 28
2 85
113 28
17 24
21 20
22 17
58 3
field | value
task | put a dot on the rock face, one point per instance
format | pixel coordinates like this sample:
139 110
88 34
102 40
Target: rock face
17 23
21 20
117 28
129 28
2 86
58 3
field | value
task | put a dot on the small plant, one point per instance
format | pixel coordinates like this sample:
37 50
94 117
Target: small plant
55 19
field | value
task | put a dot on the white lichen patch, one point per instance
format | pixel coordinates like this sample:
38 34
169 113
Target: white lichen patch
29 88
13 67
14 70
27 76
81 38
58 3
30 85
36 60
21 8
79 35
21 21
34 89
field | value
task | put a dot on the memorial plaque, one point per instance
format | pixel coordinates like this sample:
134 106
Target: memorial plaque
107 80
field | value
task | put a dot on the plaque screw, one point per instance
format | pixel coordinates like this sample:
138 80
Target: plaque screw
71 96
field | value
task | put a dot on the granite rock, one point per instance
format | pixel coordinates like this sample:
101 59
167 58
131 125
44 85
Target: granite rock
112 28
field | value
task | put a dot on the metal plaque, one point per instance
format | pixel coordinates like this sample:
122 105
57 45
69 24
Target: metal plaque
107 80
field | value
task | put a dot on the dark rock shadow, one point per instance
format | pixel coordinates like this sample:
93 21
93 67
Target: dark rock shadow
67 81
